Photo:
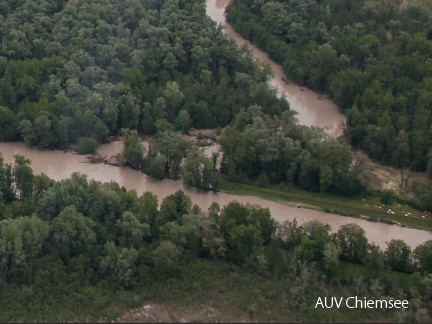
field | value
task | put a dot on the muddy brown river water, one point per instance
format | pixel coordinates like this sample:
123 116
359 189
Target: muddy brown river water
59 165
312 108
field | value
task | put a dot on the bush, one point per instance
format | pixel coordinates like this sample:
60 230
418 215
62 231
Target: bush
387 197
87 145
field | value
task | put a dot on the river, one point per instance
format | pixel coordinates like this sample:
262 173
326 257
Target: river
313 109
60 165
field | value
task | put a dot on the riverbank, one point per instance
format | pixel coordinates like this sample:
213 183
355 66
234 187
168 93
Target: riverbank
367 207
63 164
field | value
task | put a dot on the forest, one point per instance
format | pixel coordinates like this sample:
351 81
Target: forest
68 248
74 70
75 73
373 58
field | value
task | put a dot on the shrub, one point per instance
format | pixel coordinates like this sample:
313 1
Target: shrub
87 145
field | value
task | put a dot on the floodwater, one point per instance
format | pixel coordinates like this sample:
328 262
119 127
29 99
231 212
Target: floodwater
60 165
313 109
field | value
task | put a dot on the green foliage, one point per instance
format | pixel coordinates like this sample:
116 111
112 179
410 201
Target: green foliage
162 125
145 207
72 233
375 259
23 176
197 172
8 124
289 234
86 145
6 181
423 256
99 237
352 242
166 257
245 229
133 151
276 149
155 167
41 184
183 121
387 197
315 243
182 203
173 147
21 241
87 74
423 199
368 56
398 256
131 232
119 264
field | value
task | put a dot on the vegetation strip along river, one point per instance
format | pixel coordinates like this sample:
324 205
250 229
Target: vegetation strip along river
60 165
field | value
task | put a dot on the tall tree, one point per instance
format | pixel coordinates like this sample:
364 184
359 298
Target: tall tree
133 151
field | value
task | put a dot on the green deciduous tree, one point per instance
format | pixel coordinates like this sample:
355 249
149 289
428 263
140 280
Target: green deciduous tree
197 172
21 240
72 233
25 128
314 242
23 177
387 197
183 121
398 256
8 124
119 265
145 207
289 234
155 167
167 257
87 145
245 230
133 151
423 256
173 146
132 233
6 181
352 242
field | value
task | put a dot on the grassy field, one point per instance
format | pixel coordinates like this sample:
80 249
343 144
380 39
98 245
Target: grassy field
367 205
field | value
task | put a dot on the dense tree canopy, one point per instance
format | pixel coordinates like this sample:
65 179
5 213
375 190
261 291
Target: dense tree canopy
76 234
371 57
79 69
277 150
